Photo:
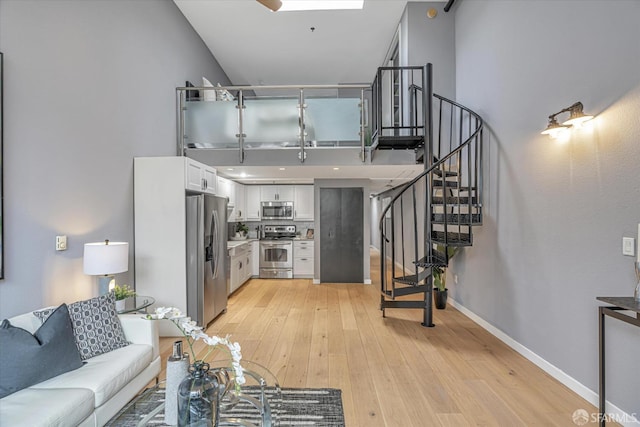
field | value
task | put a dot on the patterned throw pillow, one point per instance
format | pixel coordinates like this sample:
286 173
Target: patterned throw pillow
96 325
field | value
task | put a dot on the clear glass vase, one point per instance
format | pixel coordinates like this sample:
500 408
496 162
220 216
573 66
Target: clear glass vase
198 398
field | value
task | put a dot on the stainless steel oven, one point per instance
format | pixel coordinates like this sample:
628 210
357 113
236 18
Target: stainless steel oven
277 210
276 252
276 259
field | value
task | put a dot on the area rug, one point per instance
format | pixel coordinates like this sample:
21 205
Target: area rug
313 407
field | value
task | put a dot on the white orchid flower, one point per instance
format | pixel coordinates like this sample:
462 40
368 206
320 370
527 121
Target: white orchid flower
193 332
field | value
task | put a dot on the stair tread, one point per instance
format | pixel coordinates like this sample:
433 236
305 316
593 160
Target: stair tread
435 259
412 279
399 292
454 200
403 142
453 238
440 172
438 184
454 218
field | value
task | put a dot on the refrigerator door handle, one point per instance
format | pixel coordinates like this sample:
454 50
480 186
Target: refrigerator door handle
214 244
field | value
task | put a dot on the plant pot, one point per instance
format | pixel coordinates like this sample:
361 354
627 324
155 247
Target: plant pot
440 298
120 304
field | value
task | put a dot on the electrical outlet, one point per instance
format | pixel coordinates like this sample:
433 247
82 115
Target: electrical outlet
61 243
628 246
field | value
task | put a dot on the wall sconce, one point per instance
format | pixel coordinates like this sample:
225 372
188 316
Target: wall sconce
105 259
575 120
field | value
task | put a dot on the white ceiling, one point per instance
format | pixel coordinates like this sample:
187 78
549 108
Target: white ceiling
381 177
255 46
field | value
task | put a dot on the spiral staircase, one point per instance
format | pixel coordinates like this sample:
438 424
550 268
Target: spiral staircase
429 218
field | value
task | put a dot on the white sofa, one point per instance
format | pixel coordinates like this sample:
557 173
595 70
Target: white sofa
93 393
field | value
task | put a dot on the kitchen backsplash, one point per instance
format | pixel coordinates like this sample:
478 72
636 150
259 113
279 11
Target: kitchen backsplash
301 226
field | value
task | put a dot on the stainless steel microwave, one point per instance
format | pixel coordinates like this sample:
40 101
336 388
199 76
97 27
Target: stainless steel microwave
277 210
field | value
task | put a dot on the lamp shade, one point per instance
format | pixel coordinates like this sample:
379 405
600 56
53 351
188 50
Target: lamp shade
577 115
106 258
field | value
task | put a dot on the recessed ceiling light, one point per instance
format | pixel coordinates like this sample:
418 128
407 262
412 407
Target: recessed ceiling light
336 169
297 5
229 169
282 169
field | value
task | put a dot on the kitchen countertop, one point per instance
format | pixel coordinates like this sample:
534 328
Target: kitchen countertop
235 243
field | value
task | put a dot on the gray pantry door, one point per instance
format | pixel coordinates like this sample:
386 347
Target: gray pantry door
341 235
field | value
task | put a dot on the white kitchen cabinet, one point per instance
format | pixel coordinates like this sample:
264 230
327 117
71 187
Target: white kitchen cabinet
199 177
238 271
240 211
303 203
303 251
252 202
248 266
272 193
226 188
255 266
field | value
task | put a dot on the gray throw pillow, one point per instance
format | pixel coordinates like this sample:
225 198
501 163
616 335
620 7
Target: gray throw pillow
96 325
27 359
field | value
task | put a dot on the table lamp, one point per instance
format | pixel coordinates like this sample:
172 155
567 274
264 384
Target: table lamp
105 259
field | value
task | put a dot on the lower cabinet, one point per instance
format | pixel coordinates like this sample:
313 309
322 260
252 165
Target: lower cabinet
255 267
303 258
241 259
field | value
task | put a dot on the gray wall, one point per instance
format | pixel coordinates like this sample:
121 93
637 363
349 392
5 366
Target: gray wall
555 213
88 85
432 40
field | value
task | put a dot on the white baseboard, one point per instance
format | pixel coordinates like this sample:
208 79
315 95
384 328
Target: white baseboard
612 411
316 281
367 281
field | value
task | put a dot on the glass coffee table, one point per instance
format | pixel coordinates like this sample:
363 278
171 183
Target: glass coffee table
256 404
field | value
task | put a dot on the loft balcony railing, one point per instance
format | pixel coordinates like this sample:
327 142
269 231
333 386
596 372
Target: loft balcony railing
289 117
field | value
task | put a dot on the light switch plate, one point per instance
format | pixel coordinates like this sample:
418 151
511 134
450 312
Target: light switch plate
61 243
628 246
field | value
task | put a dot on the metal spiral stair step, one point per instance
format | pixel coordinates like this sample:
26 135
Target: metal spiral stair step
399 142
412 279
447 173
439 184
452 238
454 200
437 259
454 219
400 292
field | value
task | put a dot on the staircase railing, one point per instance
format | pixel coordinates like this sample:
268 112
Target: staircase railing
436 210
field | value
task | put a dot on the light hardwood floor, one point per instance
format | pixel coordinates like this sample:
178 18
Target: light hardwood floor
392 371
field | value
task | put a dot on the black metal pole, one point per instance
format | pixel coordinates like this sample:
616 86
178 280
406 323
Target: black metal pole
601 376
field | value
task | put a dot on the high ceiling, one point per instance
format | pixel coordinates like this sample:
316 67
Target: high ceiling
255 46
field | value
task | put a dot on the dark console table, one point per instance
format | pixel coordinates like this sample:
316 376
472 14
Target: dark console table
618 304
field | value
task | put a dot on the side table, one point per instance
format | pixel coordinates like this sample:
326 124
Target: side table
618 304
135 303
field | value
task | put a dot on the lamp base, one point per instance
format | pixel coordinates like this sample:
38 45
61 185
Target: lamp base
104 283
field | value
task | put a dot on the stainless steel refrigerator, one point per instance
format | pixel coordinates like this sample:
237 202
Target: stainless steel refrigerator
206 257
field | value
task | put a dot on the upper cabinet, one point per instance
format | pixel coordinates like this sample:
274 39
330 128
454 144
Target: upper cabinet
227 188
199 177
252 202
272 193
235 193
240 210
303 203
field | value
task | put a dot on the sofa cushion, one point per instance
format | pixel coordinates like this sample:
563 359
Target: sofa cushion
51 408
28 359
106 374
95 325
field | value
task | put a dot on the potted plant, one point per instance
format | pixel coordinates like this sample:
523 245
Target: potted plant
439 273
121 293
241 230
